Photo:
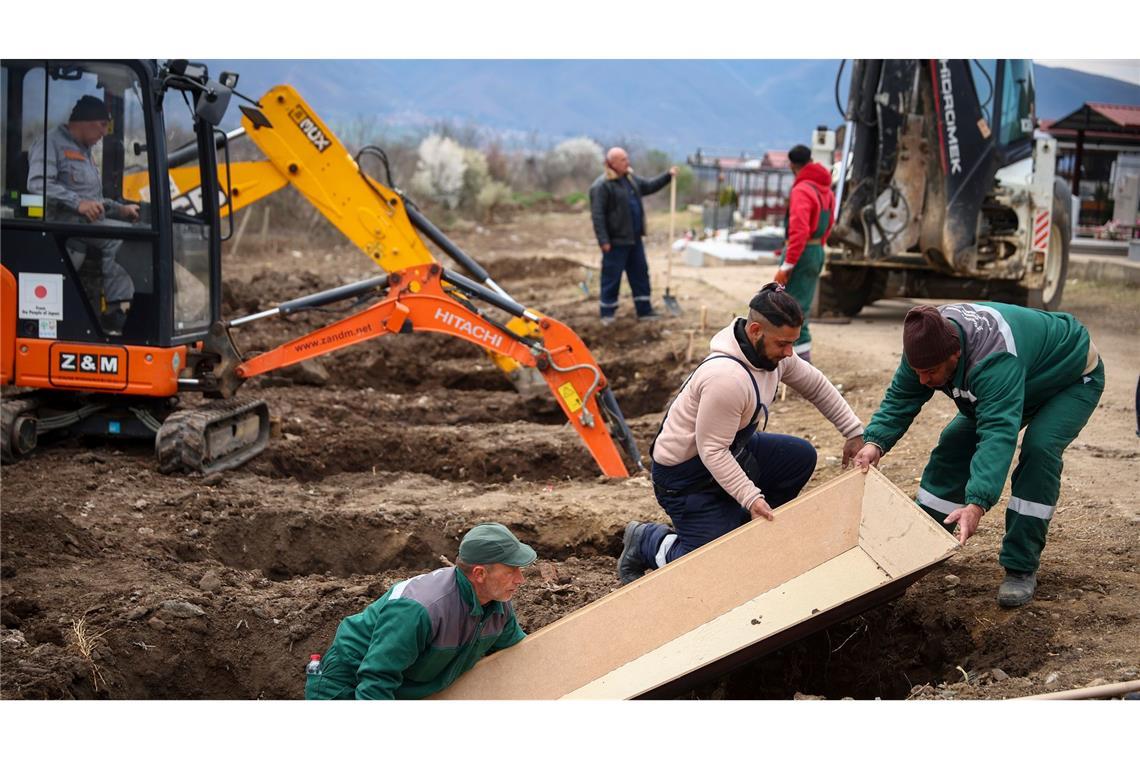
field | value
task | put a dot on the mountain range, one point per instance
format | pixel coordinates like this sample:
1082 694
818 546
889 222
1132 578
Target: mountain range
720 106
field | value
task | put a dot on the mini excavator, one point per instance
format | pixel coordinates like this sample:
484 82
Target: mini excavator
63 368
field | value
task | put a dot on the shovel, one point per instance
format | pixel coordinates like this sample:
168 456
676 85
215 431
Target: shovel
671 304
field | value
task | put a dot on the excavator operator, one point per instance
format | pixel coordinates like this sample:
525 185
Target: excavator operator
62 166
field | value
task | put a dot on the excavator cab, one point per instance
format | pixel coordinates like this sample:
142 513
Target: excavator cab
80 264
104 296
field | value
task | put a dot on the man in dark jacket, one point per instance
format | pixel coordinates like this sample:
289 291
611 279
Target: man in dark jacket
811 213
619 224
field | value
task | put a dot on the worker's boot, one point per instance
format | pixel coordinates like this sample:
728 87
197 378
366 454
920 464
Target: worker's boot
630 564
1017 589
113 320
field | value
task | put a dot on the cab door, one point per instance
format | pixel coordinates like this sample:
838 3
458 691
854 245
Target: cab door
74 132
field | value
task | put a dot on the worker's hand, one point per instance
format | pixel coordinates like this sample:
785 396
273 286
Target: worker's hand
673 171
605 247
782 276
93 210
967 518
130 212
760 508
867 457
851 449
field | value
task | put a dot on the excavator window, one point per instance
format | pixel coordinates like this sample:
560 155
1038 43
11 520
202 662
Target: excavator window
1017 96
985 84
190 229
75 133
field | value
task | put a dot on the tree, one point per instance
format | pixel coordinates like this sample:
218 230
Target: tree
440 172
572 164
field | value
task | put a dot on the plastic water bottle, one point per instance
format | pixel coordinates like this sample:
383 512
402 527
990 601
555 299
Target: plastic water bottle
314 666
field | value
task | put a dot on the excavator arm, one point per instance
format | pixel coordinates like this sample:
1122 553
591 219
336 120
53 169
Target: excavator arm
302 151
429 298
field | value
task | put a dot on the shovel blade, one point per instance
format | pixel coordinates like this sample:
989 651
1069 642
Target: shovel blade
671 305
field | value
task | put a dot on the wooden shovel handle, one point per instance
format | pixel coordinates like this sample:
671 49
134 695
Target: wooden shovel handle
672 209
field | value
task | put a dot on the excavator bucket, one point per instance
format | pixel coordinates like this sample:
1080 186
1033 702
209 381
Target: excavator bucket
215 437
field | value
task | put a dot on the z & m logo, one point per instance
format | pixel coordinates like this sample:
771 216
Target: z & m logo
96 363
306 124
73 366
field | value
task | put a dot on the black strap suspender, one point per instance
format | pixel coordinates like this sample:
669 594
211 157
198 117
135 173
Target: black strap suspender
755 388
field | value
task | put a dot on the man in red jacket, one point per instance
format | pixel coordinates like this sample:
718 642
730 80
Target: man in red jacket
811 213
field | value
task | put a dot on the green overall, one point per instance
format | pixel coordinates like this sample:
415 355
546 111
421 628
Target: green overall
1019 368
1036 481
805 275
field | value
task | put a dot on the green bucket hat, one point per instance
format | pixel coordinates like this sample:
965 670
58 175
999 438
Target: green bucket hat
491 543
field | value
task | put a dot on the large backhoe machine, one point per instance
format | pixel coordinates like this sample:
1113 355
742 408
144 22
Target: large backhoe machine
946 189
69 359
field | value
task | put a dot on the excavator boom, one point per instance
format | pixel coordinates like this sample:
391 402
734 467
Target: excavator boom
432 299
302 151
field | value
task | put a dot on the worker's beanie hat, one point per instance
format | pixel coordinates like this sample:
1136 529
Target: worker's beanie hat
89 108
928 337
491 543
800 155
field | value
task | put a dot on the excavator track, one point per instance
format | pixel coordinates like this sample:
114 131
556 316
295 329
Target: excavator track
219 436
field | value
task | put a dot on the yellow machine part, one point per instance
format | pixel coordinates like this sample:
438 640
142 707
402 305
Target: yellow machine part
302 151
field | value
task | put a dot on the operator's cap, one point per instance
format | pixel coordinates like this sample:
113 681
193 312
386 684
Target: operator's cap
928 337
89 108
491 543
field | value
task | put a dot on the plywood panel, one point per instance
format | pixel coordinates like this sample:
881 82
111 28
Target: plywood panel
822 588
897 533
674 600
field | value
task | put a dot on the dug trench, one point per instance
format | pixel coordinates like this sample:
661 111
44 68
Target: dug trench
231 607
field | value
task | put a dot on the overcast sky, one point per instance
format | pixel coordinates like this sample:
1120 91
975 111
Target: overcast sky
1123 69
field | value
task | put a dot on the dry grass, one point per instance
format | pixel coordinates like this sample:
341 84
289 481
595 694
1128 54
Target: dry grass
85 642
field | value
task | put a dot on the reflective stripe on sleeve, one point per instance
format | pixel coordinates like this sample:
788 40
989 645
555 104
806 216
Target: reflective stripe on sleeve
930 501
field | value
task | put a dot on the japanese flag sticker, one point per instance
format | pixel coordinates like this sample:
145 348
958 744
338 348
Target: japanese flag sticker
41 296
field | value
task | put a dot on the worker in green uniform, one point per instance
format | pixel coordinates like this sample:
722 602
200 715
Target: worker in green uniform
1006 368
427 631
811 213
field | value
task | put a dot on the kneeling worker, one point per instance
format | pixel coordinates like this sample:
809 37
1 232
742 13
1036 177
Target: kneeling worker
713 470
427 631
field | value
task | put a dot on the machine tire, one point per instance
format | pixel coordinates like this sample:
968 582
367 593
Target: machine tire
1048 297
17 429
844 291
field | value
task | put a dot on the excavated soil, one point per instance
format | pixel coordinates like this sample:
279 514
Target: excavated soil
220 587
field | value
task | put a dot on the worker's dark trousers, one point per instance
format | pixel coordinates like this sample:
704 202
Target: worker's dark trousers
785 464
117 283
1036 481
629 259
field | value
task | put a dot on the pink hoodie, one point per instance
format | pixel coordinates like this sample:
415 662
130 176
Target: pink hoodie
718 401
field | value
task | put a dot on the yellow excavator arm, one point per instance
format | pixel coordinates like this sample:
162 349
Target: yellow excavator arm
302 151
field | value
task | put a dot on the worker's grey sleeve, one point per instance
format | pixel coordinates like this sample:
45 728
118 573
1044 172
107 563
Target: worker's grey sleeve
43 175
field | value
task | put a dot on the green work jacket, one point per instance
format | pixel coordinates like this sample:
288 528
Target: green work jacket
415 640
1013 360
